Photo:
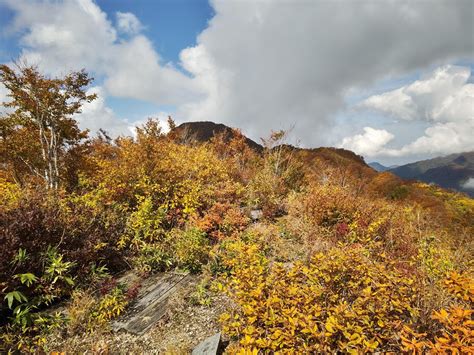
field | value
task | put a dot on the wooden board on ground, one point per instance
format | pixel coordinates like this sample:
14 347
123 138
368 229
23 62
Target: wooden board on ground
151 304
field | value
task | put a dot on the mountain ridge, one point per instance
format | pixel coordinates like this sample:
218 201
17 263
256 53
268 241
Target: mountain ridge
378 167
204 131
451 171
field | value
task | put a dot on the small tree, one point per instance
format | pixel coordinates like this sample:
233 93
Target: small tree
46 106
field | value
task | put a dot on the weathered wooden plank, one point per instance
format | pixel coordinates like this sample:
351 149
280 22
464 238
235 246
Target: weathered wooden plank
152 314
209 346
151 306
155 291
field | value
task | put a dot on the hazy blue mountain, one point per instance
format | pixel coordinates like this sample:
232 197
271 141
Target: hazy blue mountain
453 171
378 166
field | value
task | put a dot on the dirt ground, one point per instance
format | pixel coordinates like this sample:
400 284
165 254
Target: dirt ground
182 328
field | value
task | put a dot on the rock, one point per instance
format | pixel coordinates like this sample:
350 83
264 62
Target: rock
256 214
209 346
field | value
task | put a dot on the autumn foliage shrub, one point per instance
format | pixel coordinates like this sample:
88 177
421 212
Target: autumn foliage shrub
339 301
41 221
154 247
222 220
87 312
190 248
29 293
453 330
342 259
10 193
330 213
179 179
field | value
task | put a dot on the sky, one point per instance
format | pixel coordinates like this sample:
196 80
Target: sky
390 80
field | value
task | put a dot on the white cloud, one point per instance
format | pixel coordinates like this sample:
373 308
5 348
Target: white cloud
96 115
444 98
259 65
270 64
65 35
61 36
134 71
469 184
70 35
440 139
396 103
128 23
369 143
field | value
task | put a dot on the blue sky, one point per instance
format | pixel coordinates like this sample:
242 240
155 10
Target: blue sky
389 80
171 24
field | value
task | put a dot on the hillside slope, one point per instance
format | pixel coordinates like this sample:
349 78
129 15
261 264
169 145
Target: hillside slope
346 258
206 130
451 171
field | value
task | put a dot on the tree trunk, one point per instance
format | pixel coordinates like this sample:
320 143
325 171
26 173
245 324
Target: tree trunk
44 152
49 152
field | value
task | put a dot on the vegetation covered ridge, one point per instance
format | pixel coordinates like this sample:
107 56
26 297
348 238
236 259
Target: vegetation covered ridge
338 257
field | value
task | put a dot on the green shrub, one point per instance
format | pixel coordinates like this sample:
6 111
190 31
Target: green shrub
191 248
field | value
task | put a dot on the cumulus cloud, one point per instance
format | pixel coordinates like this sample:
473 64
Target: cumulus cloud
469 184
258 65
134 71
96 115
440 139
444 98
60 36
270 64
368 143
128 23
70 35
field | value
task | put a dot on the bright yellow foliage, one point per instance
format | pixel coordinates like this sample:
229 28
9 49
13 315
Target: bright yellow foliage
455 333
340 300
110 306
10 193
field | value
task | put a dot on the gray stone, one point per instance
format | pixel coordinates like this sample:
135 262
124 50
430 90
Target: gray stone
256 214
209 346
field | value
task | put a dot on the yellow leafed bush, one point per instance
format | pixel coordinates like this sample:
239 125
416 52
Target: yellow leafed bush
341 300
454 332
10 193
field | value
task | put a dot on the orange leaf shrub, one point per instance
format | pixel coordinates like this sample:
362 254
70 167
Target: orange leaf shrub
453 332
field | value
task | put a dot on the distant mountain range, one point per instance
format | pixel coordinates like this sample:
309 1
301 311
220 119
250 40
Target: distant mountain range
380 168
455 171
